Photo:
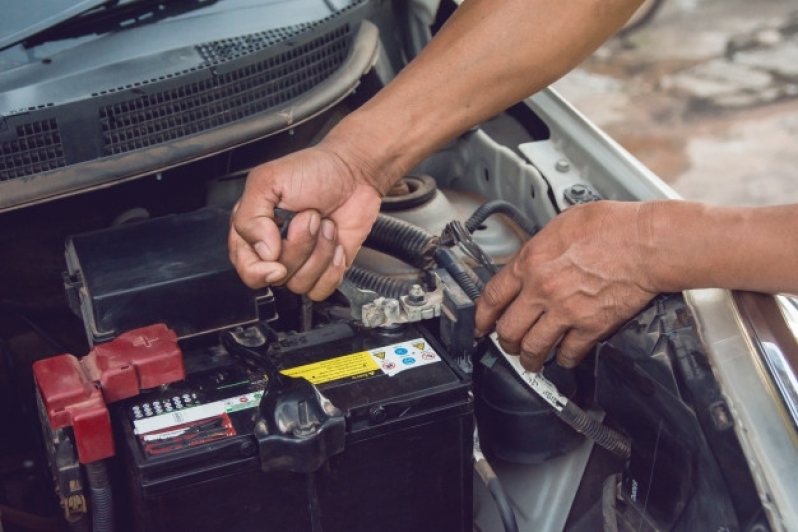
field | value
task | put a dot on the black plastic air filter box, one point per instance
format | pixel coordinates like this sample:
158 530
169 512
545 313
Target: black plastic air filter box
173 270
405 466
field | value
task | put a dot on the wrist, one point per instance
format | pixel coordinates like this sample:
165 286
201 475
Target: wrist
369 158
677 244
660 262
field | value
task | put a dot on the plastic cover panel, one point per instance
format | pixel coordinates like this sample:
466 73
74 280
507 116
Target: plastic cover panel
182 111
37 148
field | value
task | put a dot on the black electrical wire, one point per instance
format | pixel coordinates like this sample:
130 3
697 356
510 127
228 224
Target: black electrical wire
456 232
577 419
460 272
613 441
491 481
314 505
501 207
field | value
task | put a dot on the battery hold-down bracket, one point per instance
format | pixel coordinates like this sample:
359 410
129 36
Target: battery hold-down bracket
298 428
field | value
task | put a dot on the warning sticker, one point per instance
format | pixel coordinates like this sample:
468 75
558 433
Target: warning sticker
396 358
354 366
388 360
197 413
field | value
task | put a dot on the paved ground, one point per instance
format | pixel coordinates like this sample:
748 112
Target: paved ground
706 96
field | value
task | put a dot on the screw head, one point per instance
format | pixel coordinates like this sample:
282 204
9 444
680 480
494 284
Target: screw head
378 414
563 165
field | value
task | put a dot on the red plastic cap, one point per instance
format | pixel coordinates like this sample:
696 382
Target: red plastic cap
71 399
71 389
136 360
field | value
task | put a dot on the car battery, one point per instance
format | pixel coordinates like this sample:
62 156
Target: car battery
192 462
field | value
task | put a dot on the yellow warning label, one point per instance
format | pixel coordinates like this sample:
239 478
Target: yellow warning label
352 366
420 345
379 354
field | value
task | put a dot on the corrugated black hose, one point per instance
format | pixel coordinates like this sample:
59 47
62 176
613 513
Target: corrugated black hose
382 284
102 503
403 240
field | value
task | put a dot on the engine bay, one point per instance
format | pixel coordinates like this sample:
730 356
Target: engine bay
145 388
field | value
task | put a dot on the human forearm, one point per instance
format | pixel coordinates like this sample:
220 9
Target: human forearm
692 245
487 57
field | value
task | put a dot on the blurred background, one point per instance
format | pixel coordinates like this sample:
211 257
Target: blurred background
706 95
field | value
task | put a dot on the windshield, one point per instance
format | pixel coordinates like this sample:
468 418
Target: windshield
20 20
37 21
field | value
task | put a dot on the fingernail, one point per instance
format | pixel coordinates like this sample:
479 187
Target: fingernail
338 256
328 229
274 277
263 251
478 333
313 225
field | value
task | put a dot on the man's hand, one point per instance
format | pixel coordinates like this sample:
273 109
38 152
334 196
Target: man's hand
576 281
335 205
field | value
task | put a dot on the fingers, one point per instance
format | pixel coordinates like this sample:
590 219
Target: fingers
539 341
258 229
498 293
316 265
310 261
574 347
254 244
331 277
255 272
300 242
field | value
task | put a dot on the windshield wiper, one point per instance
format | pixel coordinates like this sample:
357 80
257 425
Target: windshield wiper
115 15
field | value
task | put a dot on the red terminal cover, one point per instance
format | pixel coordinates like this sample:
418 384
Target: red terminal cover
136 360
71 399
75 392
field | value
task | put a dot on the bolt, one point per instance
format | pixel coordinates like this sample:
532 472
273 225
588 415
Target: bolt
247 448
563 165
576 194
304 426
378 414
416 296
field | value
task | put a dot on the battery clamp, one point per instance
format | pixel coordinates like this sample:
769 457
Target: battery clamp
298 428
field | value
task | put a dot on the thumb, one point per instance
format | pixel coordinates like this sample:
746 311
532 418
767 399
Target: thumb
256 226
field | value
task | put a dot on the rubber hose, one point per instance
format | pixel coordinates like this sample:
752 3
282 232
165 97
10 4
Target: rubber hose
491 481
611 440
500 207
102 504
460 272
403 240
376 282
